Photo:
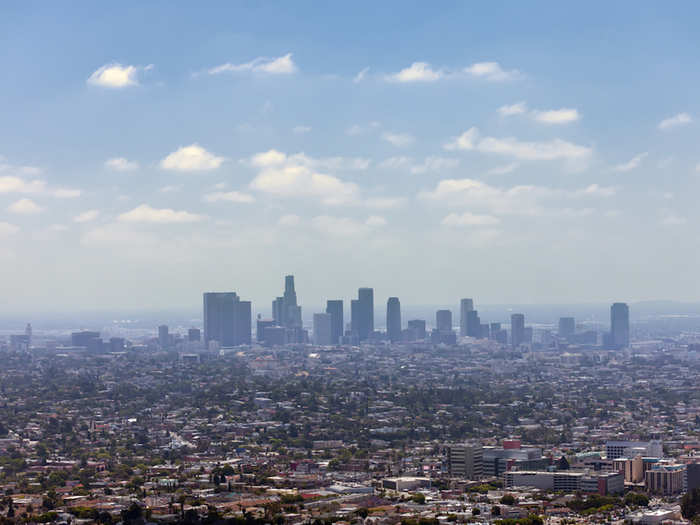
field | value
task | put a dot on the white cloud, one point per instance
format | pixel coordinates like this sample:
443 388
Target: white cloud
116 76
230 196
469 219
491 71
86 216
191 158
67 193
145 213
289 220
360 76
631 164
513 109
11 184
516 200
400 140
7 229
121 164
503 170
466 141
521 150
297 176
557 116
58 228
283 65
374 221
24 207
673 122
416 72
300 130
548 116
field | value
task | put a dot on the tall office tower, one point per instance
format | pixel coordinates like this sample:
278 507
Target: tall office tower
494 329
292 310
517 329
163 336
242 322
218 317
465 306
620 325
393 319
465 461
443 320
363 314
323 327
355 316
260 326
567 327
227 319
194 334
417 329
473 324
28 334
278 311
335 309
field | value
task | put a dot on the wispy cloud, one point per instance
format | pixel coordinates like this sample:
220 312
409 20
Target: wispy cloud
522 150
681 119
631 164
24 207
283 65
121 164
147 214
400 140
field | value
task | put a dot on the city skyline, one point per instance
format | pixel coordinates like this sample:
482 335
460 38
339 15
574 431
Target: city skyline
482 157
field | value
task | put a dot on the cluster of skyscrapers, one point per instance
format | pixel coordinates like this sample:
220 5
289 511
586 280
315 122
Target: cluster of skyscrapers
227 321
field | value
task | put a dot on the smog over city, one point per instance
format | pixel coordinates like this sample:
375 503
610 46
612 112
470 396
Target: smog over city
369 263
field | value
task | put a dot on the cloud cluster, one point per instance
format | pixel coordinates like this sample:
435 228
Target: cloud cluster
191 158
522 150
424 72
548 116
517 200
146 214
281 175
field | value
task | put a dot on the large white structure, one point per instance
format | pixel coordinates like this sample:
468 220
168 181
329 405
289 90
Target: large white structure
630 449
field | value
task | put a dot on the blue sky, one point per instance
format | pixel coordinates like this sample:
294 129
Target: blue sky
514 153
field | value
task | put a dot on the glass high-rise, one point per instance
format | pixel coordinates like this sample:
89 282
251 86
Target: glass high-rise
620 325
335 309
517 329
465 306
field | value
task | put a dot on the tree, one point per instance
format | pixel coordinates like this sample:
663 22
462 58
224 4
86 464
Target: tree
508 499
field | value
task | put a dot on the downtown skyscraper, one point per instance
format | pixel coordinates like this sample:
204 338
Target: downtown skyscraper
620 325
285 310
393 319
465 306
227 319
334 307
362 313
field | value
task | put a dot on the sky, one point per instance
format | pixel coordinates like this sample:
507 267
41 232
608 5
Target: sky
516 153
